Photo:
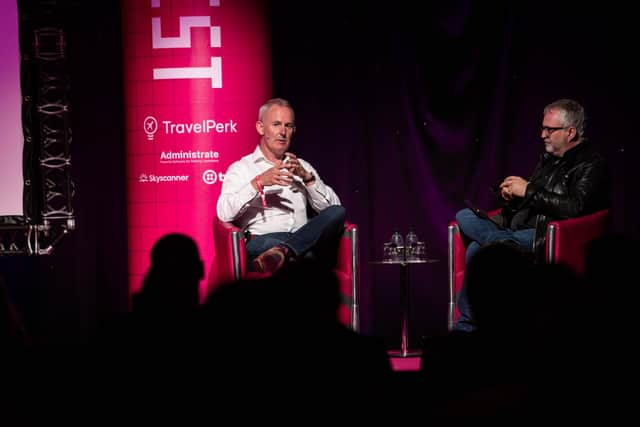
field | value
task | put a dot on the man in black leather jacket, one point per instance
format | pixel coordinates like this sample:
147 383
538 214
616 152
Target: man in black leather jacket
570 180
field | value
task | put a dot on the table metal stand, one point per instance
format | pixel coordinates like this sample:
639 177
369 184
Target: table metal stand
404 302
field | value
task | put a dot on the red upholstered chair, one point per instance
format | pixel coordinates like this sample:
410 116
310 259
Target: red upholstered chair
565 243
230 264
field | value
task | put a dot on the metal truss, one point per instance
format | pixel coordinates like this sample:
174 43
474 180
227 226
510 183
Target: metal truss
48 187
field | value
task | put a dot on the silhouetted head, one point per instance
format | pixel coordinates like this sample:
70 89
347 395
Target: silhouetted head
556 299
498 280
172 282
610 270
610 259
303 292
310 286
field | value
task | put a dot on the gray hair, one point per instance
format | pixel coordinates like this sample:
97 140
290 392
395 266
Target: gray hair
572 114
274 101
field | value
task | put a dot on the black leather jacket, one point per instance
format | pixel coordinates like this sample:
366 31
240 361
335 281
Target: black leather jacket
561 187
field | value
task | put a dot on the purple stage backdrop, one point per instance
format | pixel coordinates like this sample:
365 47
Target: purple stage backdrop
11 106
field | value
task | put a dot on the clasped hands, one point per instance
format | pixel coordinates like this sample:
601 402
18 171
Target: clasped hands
283 171
513 186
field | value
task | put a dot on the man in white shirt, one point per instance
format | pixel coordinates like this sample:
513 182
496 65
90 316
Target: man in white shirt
266 194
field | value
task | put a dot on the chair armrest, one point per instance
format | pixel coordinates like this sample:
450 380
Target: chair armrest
230 256
494 212
344 261
457 253
567 239
347 272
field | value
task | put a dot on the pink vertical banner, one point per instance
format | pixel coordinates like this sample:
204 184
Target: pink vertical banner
195 73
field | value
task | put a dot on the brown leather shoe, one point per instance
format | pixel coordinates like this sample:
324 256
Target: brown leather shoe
270 260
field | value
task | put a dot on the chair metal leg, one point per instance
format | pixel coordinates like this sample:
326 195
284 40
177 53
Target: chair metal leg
451 232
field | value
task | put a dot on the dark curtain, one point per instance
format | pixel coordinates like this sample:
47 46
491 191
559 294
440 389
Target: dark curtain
408 110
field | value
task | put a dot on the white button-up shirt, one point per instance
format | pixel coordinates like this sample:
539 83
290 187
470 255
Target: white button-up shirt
286 209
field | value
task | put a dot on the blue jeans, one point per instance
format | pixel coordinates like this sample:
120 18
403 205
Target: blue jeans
319 237
482 232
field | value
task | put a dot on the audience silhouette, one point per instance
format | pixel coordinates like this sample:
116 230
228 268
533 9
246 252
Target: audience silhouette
284 330
481 373
609 364
16 352
548 342
13 335
149 355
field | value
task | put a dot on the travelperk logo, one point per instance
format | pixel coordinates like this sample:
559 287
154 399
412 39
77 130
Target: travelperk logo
151 127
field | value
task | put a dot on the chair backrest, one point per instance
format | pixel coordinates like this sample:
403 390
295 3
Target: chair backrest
566 243
230 264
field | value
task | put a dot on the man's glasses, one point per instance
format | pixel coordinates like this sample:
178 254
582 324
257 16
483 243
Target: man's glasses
551 129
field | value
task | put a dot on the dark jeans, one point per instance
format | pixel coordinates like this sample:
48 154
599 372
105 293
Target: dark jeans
319 237
482 232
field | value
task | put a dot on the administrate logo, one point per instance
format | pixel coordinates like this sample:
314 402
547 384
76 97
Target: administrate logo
191 156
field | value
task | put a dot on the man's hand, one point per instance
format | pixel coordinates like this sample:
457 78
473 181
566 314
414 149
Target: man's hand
296 168
280 174
513 186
